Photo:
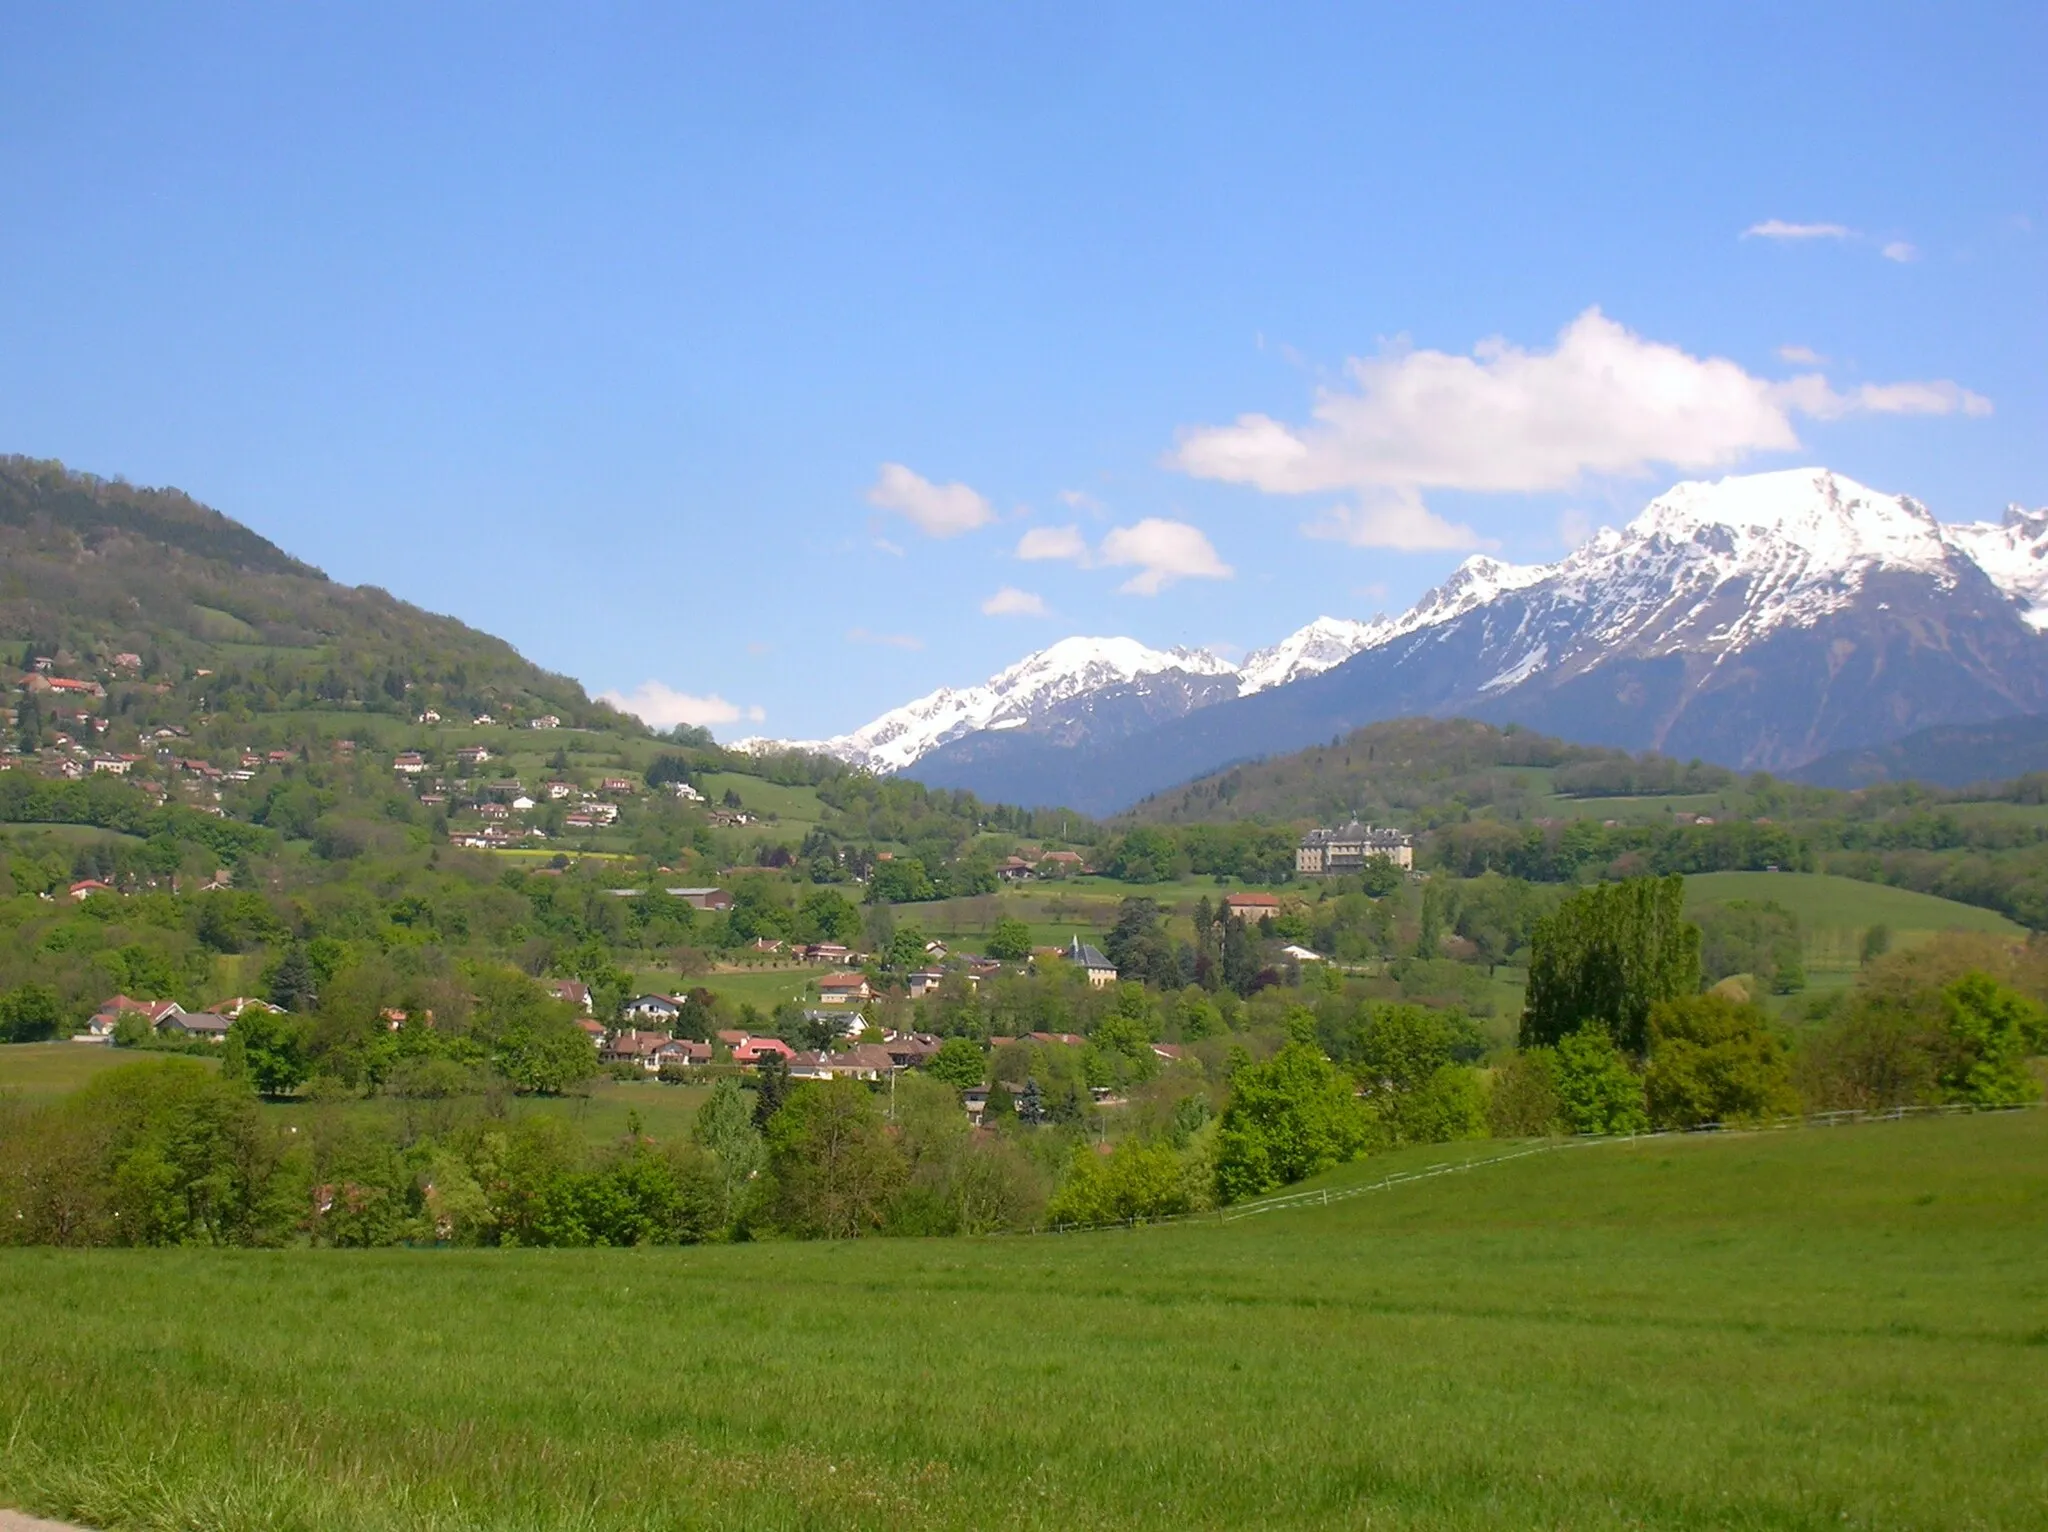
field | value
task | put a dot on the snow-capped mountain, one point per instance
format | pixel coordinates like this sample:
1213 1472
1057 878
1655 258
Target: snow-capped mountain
2014 553
1307 651
1760 621
1031 691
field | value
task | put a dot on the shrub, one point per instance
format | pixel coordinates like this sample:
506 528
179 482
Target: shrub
1010 941
1715 1060
1597 1092
1137 1181
1288 1118
1524 1102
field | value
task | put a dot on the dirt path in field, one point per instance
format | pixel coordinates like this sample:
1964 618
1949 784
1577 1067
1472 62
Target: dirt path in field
15 1521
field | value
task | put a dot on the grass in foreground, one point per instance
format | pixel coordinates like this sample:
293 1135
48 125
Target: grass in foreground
1799 1330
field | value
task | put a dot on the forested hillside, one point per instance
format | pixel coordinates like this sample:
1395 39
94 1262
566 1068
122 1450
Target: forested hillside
97 568
1393 770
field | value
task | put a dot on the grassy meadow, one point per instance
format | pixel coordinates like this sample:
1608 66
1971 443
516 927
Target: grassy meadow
1810 1329
1834 912
600 1110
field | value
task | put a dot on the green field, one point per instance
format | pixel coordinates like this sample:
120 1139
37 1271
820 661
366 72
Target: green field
55 1069
600 1111
799 805
1835 911
1805 1330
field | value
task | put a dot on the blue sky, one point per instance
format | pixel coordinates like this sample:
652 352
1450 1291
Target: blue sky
742 351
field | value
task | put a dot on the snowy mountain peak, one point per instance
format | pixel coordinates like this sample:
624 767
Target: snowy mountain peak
1012 698
1307 651
2014 553
1475 582
1838 524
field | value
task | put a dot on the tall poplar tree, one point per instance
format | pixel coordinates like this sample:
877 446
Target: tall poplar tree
1605 957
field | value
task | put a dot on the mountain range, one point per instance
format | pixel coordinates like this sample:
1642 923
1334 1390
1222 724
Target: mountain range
1761 622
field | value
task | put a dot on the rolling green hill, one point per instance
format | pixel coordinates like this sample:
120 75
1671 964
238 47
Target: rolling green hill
1795 1331
1408 770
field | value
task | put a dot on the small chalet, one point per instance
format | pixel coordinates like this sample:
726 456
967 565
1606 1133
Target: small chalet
828 952
1014 869
1060 864
631 1046
865 1061
1251 906
575 991
746 1048
210 1025
844 989
924 982
911 1050
682 1053
615 785
659 1008
154 1012
845 1023
85 888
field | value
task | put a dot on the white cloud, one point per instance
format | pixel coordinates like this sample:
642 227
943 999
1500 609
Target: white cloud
1012 602
1801 356
1777 228
1079 500
937 510
1164 551
1573 527
1901 251
1053 543
885 640
1394 518
663 707
1812 394
1602 401
883 545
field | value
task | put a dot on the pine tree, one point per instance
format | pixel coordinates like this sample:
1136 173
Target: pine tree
293 986
771 1089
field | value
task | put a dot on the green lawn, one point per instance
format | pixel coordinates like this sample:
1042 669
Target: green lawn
765 988
1807 1330
1835 911
55 1069
800 805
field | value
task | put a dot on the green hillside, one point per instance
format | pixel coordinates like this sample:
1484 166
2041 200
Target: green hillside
97 568
1791 1331
1825 903
1387 771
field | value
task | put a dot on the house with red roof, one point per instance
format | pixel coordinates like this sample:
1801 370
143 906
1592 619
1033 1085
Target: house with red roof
746 1048
1251 906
